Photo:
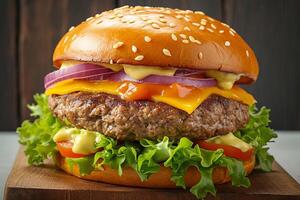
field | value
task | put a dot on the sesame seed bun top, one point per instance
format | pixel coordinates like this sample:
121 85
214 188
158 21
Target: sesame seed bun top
154 36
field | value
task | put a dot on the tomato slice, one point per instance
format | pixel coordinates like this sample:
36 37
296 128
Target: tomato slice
65 149
229 151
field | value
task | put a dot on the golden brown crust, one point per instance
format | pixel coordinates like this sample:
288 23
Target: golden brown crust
161 179
200 42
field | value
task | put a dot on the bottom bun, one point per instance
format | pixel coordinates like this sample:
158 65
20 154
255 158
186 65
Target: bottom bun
161 179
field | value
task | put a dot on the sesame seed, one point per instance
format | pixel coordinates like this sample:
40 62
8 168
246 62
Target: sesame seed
131 21
196 24
111 61
150 21
211 19
200 55
147 39
232 30
225 25
71 28
168 12
74 36
221 31
139 58
173 36
186 19
200 12
182 36
189 11
126 6
172 25
118 44
185 41
192 39
120 15
99 22
97 15
166 52
202 28
92 20
180 12
65 40
162 20
123 20
187 28
203 23
133 49
227 43
213 26
231 33
179 16
247 53
88 19
112 17
203 19
198 42
210 30
155 26
144 18
161 16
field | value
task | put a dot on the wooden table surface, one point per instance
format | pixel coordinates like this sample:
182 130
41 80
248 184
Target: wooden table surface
286 151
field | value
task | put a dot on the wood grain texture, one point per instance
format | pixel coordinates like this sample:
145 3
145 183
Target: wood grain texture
47 182
42 24
211 7
272 28
8 75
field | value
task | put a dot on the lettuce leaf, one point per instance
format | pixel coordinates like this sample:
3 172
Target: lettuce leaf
161 148
236 171
110 155
146 165
153 154
183 156
264 159
37 136
205 185
258 133
85 164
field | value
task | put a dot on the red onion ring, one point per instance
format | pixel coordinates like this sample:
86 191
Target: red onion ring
96 72
81 71
98 77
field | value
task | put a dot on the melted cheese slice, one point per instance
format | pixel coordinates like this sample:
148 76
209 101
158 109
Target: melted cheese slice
68 86
187 103
193 101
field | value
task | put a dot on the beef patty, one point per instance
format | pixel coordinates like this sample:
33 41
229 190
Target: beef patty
134 120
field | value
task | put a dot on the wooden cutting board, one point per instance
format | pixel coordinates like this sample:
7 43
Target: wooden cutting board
47 182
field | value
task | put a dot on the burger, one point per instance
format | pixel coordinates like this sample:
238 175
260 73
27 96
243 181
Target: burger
151 97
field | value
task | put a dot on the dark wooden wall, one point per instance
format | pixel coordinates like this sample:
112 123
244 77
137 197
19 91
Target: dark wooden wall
30 29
